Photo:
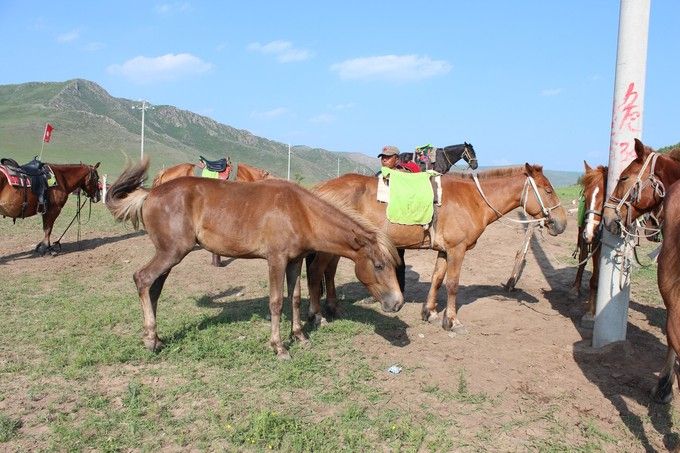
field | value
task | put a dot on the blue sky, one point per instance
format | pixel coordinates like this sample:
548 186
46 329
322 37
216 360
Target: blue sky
520 80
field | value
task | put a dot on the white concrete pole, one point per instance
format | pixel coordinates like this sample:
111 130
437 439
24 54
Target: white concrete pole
611 313
288 177
143 110
104 188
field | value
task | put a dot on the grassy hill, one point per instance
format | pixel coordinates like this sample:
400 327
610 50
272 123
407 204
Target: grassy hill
91 126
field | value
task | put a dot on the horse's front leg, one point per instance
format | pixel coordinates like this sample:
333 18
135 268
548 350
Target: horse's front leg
277 269
429 310
575 290
594 280
663 390
293 270
454 262
331 296
48 219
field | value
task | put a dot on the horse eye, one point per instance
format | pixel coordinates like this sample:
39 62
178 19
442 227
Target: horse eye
623 178
379 266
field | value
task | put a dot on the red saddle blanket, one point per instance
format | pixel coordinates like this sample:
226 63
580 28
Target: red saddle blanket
18 179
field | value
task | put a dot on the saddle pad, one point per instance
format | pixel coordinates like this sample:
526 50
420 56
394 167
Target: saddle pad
17 179
215 174
411 197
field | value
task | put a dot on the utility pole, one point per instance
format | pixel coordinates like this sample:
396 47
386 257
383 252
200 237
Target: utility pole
613 295
143 108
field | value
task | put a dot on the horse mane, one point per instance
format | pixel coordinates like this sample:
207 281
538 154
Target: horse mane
159 177
493 173
595 175
385 244
674 153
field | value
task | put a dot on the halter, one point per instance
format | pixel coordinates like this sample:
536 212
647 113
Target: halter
467 155
634 192
528 183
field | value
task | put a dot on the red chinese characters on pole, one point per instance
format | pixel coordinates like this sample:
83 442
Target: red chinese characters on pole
627 116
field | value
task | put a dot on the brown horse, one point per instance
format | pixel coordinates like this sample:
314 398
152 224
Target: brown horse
18 202
594 184
277 220
466 210
170 173
645 184
245 172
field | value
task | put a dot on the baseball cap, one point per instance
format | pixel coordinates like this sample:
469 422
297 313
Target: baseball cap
389 151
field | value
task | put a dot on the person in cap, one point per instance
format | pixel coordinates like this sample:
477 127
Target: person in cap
389 157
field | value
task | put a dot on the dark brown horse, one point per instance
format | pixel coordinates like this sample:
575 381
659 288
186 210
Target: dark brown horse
594 184
18 202
469 204
444 159
644 185
248 173
176 171
277 220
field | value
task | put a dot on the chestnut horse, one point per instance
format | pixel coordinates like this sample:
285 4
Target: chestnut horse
277 220
170 173
642 188
470 203
69 177
594 184
245 172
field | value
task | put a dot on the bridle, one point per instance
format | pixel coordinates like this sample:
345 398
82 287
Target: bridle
634 192
529 184
467 155
93 181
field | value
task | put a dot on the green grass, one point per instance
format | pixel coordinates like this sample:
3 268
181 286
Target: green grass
73 375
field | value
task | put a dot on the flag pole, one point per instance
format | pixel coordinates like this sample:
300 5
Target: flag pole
43 142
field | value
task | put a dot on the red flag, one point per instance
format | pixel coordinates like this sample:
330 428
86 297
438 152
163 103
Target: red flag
48 133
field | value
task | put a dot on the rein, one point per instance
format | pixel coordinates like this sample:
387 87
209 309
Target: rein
634 192
529 182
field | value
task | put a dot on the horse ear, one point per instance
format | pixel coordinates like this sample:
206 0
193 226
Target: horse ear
529 169
97 165
587 167
639 149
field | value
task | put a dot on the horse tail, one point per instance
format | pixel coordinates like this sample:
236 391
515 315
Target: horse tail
126 196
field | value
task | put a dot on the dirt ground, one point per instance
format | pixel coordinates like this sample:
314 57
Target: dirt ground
527 345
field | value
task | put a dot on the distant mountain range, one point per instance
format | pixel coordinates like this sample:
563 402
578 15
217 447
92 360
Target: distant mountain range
91 126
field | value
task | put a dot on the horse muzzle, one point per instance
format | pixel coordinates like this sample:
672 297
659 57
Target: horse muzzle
611 220
392 301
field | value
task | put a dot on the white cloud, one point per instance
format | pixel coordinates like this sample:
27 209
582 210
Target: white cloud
174 7
282 50
94 46
396 68
273 113
324 118
69 36
339 107
551 92
164 68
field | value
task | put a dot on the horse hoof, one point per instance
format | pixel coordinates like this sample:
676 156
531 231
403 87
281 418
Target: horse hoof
153 344
432 317
316 319
458 328
283 355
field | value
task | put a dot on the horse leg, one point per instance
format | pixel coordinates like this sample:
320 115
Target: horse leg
216 260
277 269
331 296
401 270
454 261
663 390
149 281
582 254
293 270
429 310
48 222
592 296
315 273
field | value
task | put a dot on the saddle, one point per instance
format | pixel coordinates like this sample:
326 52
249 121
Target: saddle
215 165
35 175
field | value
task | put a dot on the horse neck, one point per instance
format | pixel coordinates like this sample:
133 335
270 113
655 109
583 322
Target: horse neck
504 193
337 233
448 158
667 170
72 176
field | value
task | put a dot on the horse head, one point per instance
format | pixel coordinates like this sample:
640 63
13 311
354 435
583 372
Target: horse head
637 191
541 200
91 184
469 155
594 189
375 266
